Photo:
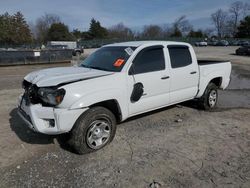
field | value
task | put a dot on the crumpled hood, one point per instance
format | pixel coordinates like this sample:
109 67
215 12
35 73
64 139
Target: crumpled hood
61 75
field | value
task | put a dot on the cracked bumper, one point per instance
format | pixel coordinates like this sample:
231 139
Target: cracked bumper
48 120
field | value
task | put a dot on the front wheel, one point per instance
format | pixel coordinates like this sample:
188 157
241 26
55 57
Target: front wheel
93 130
209 99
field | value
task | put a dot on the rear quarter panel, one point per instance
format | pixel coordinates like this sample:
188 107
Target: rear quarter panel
209 72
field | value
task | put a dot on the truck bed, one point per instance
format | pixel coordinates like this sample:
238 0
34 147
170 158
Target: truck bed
210 69
209 62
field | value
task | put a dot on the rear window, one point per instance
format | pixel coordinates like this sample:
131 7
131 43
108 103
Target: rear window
179 56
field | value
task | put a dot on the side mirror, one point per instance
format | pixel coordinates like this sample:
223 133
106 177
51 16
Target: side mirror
137 92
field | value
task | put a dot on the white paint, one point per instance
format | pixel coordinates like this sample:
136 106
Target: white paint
180 86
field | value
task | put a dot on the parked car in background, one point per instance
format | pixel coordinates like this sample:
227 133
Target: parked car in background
201 43
243 43
244 50
55 47
222 43
78 51
212 43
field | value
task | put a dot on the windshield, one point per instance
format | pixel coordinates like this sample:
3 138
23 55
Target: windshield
109 58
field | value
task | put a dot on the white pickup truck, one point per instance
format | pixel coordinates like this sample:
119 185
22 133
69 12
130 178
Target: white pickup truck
114 83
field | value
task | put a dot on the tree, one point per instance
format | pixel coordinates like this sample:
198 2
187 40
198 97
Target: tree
176 33
244 28
22 31
120 31
77 34
208 32
219 19
196 34
14 29
151 32
181 26
59 32
96 30
166 30
236 9
43 24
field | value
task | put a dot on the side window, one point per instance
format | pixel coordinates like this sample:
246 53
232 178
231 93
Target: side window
149 60
179 56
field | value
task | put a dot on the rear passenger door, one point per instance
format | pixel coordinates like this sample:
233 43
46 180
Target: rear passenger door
149 68
183 72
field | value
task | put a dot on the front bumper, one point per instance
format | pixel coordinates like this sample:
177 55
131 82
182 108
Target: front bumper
48 120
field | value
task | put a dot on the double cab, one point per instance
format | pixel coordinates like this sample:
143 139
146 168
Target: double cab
114 83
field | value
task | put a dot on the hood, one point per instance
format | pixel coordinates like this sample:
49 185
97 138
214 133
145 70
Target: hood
56 76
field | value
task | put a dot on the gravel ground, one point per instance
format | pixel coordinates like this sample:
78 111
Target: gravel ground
178 146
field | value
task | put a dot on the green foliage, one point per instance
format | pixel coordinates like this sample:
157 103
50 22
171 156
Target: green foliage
59 32
77 34
244 28
96 30
14 29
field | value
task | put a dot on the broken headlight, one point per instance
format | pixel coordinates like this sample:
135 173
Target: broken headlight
51 96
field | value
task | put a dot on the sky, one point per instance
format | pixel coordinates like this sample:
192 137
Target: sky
133 13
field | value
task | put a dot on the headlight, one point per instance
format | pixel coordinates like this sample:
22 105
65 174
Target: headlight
51 96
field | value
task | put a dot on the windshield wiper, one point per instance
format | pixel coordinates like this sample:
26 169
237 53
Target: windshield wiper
99 68
93 67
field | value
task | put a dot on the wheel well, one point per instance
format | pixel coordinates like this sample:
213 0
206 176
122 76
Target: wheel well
217 81
113 106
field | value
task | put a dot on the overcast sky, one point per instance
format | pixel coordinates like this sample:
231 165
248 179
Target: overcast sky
133 13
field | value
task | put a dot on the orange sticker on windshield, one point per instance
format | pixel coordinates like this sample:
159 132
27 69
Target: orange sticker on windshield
119 62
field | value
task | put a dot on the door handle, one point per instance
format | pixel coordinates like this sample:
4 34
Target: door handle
165 77
194 72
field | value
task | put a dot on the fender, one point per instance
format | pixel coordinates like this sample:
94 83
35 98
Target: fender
206 79
104 95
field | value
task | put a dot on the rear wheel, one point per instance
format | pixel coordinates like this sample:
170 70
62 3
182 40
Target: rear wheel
93 130
209 99
78 53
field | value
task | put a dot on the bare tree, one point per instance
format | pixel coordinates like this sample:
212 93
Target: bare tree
151 31
43 24
166 30
120 31
219 19
209 32
236 9
246 9
182 24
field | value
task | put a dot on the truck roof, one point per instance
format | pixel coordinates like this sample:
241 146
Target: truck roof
150 42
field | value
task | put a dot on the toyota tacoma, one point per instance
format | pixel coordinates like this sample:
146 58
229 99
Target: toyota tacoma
114 83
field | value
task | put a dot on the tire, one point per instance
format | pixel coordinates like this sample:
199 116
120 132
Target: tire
209 99
93 130
78 54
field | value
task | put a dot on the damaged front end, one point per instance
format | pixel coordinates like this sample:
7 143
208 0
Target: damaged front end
38 107
46 96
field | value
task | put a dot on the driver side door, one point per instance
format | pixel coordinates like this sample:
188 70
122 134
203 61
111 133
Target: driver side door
149 68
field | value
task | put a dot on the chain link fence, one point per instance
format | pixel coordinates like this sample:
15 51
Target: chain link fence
19 57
